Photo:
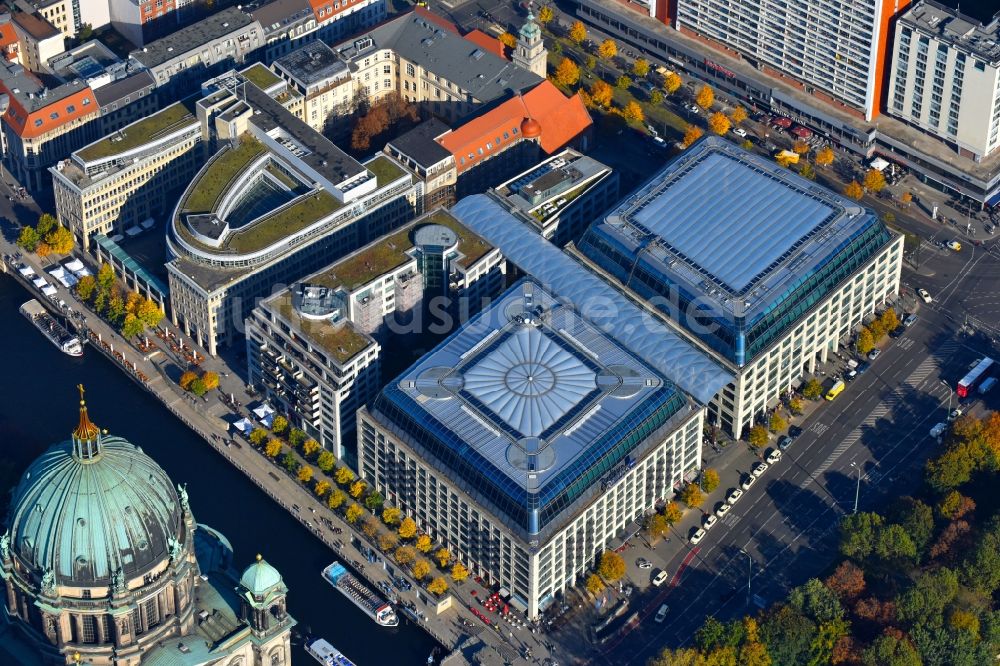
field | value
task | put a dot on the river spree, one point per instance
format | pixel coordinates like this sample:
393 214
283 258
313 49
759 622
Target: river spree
38 406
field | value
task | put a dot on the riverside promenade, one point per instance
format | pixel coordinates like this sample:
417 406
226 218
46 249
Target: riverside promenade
465 638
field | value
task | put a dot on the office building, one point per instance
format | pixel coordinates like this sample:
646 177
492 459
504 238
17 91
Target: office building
768 272
561 195
946 77
38 40
837 50
288 24
213 45
99 571
130 176
322 79
276 201
528 439
313 349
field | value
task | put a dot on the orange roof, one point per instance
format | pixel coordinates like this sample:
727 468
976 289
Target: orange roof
439 20
487 43
326 10
51 116
7 35
561 119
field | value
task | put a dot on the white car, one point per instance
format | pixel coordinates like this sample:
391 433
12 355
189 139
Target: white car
643 563
661 578
924 296
740 132
723 509
710 520
661 614
773 456
954 414
954 245
697 536
759 468
734 496
748 481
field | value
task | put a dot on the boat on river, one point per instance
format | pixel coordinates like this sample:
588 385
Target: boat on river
53 330
374 606
326 654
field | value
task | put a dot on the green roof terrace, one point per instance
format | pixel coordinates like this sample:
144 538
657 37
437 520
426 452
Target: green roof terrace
260 76
160 124
389 253
385 170
341 339
219 173
286 222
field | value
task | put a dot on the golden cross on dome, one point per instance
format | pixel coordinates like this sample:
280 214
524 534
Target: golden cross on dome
80 388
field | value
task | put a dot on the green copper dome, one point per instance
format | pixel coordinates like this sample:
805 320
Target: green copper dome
260 578
92 506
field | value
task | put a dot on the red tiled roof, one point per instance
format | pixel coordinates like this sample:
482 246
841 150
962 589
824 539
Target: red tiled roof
7 35
562 119
487 43
38 122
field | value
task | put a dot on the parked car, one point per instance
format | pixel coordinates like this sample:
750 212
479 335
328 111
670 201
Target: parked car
740 132
660 578
773 456
661 614
709 522
850 374
954 245
909 320
863 367
698 535
659 142
722 509
924 296
759 469
954 414
748 481
794 431
874 354
784 443
643 563
938 430
734 496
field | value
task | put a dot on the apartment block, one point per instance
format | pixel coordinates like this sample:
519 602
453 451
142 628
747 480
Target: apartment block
288 24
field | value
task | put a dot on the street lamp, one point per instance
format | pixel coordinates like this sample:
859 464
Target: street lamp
749 573
947 386
857 489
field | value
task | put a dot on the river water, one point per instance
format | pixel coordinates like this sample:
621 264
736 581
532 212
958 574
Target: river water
38 406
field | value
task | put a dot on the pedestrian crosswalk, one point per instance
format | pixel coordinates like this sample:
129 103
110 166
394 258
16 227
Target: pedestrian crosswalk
910 384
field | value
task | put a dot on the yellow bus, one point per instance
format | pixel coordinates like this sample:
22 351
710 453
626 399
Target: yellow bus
835 390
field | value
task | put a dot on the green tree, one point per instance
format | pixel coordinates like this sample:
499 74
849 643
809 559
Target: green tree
777 422
295 437
198 387
925 602
279 424
85 287
407 528
116 307
611 567
28 239
758 436
866 341
813 389
981 570
916 519
816 601
656 98
710 479
788 634
326 461
391 515
105 278
354 511
46 223
132 326
858 533
891 649
374 501
290 462
892 543
623 82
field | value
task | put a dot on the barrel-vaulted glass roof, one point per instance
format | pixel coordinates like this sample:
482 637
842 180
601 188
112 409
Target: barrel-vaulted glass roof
528 406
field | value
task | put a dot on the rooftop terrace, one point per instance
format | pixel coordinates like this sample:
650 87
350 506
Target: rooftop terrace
341 340
139 133
219 174
390 252
286 222
261 76
385 170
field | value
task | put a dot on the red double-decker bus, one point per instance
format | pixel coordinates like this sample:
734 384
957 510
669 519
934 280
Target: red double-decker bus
977 374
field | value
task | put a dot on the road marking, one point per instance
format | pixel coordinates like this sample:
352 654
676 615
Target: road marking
818 428
905 343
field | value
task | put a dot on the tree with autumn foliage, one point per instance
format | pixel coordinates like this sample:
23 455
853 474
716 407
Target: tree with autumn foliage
354 511
854 190
801 147
825 156
443 557
326 461
389 112
640 67
691 134
545 15
305 474
407 528
718 123
439 586
406 555
874 180
672 83
343 476
424 543
705 97
737 115
273 448
594 584
187 378
336 498
710 479
673 512
459 572
632 112
508 40
611 567
577 32
691 495
421 568
608 49
601 93
567 73
391 515
321 488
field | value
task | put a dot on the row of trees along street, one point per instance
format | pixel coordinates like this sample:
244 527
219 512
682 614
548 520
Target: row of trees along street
916 585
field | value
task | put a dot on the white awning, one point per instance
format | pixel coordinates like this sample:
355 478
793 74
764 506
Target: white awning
244 426
879 164
39 282
58 272
73 265
26 271
49 290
